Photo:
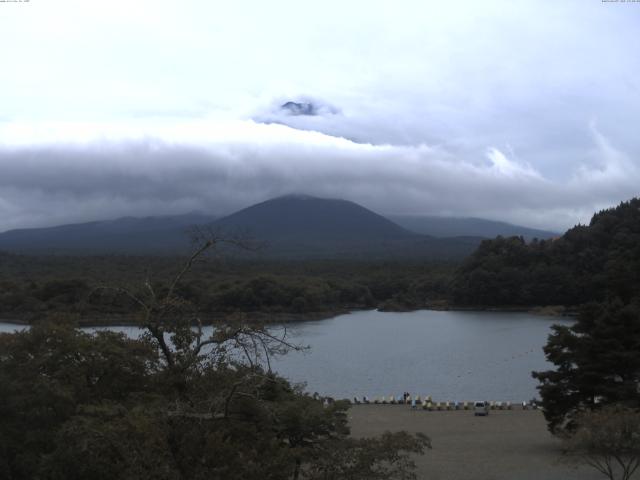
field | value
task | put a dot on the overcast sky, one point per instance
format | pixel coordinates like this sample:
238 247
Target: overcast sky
525 111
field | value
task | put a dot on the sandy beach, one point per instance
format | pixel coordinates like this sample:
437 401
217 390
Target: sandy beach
506 445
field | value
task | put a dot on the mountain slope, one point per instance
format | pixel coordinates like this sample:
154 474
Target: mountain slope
293 226
305 217
163 234
303 226
458 226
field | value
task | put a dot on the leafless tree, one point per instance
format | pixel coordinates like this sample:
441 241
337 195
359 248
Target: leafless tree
608 440
174 324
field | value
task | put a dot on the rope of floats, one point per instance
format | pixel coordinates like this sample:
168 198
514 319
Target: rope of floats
427 403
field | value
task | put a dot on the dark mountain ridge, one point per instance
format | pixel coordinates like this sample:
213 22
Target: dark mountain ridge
438 226
293 226
301 226
162 234
303 217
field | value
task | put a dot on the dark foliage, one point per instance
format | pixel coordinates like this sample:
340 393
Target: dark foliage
77 406
588 263
174 404
33 287
596 267
597 363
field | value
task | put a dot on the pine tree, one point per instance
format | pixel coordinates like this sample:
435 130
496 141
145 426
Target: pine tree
597 363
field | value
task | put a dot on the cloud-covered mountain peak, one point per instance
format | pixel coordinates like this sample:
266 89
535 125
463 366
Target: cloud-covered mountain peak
299 108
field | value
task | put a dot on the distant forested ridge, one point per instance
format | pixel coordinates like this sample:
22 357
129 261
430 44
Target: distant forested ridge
33 287
296 227
588 263
443 227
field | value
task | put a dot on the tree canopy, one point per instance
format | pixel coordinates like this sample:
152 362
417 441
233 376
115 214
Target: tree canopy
173 404
597 359
597 363
588 263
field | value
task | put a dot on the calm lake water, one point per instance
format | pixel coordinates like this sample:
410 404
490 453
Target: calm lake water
449 355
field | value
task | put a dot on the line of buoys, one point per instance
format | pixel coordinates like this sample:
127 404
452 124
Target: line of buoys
426 403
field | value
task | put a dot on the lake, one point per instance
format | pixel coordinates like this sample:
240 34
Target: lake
446 354
449 355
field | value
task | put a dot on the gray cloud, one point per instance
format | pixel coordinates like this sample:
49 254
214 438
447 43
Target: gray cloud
525 111
53 183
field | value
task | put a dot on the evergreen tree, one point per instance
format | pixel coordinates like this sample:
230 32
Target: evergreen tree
588 263
597 363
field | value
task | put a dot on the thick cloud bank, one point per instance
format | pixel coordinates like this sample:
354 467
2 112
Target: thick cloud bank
64 173
514 110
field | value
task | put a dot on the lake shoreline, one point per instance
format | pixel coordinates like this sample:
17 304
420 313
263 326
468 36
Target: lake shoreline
543 310
127 320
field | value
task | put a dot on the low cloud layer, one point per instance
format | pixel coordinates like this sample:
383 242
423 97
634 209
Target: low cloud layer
524 111
217 167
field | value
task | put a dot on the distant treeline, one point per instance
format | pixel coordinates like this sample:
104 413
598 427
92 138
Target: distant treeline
588 263
33 287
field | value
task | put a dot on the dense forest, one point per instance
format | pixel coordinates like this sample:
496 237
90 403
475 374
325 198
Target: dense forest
596 359
35 286
174 404
588 263
139 409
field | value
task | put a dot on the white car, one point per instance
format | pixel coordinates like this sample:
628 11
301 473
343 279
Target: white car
481 408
